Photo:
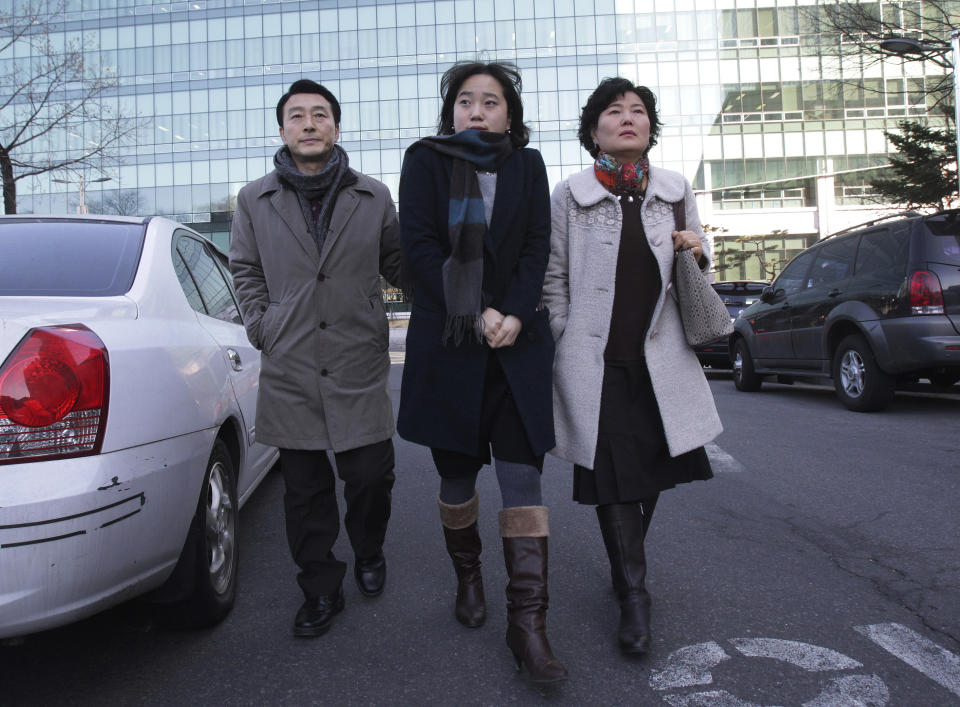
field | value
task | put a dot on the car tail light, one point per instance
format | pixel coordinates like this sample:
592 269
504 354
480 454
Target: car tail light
926 296
53 395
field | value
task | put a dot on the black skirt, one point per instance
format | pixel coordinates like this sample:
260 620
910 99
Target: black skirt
632 460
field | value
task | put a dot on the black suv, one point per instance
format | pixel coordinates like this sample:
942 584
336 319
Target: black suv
736 295
869 307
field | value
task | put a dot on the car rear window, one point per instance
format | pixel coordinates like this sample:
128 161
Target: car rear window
944 245
68 258
739 292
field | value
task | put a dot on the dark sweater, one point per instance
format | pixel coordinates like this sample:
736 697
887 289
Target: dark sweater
637 288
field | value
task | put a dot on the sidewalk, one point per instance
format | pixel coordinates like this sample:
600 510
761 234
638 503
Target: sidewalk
398 338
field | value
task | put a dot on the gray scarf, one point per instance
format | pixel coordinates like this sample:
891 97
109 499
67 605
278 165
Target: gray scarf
322 187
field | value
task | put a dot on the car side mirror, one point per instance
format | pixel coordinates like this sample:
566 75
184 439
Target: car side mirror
767 294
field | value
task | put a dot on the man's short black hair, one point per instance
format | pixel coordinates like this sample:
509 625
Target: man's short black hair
607 92
308 86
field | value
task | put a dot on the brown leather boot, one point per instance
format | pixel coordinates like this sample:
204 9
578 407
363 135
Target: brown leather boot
623 527
463 544
525 530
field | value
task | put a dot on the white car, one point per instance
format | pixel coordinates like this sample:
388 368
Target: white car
127 403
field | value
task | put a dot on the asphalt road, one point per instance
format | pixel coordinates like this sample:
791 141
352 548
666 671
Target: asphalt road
820 566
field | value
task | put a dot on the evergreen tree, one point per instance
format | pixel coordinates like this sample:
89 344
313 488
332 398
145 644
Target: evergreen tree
923 172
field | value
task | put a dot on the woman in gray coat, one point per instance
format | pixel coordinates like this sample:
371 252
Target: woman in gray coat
632 407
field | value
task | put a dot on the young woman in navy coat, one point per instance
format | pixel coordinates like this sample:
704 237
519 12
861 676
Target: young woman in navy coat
475 226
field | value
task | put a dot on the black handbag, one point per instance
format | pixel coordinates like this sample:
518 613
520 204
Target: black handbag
705 318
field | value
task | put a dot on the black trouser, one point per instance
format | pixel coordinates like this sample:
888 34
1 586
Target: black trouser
312 516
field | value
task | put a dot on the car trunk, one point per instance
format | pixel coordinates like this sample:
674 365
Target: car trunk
942 253
20 314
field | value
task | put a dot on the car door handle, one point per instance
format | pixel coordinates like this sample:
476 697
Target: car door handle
833 293
234 360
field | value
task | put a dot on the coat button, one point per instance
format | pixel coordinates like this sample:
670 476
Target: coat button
323 372
323 325
321 277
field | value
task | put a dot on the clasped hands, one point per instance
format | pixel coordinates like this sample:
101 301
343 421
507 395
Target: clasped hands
500 330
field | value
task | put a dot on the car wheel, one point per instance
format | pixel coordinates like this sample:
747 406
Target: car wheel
860 383
744 376
211 552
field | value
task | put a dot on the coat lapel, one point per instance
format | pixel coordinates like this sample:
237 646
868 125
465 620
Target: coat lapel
288 207
343 209
506 202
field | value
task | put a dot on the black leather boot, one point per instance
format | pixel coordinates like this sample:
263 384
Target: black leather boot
463 545
525 530
622 525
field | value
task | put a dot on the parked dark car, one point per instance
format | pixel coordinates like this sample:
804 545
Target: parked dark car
871 307
736 295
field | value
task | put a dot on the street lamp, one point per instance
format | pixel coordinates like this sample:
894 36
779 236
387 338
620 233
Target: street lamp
904 46
82 209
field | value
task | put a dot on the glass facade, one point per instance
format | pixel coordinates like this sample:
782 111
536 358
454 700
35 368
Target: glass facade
757 106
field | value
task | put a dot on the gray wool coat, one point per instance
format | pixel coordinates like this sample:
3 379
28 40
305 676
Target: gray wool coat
578 290
317 316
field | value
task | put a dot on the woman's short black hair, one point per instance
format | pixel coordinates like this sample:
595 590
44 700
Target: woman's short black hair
507 75
308 86
609 90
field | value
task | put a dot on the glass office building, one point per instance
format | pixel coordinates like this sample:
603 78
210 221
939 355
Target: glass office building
763 114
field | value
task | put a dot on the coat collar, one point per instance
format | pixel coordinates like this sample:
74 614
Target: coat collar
664 184
506 202
285 202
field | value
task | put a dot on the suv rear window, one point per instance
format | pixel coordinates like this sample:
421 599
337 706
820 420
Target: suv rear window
68 258
944 245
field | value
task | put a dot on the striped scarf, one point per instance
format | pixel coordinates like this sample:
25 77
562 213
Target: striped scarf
462 272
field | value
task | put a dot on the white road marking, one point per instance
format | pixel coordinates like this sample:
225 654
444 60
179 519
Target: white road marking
721 461
803 655
852 691
692 665
689 666
711 698
938 664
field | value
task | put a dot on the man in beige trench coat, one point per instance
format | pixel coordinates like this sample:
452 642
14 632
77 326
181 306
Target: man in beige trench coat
308 244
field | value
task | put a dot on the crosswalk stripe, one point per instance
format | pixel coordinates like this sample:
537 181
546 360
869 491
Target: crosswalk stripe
721 461
938 664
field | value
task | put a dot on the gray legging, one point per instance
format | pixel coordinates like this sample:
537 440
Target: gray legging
519 485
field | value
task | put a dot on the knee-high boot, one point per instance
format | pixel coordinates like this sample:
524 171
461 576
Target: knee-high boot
525 530
463 544
622 525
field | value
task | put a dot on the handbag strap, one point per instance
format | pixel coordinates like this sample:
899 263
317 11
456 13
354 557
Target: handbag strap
680 215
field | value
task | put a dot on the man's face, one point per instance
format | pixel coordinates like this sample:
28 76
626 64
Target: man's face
308 130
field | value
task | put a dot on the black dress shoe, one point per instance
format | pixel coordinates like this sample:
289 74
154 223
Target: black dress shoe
316 615
371 575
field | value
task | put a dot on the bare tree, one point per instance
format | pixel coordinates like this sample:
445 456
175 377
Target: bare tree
857 28
122 202
55 108
768 254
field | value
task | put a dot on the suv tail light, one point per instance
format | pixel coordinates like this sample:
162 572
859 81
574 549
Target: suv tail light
53 395
926 295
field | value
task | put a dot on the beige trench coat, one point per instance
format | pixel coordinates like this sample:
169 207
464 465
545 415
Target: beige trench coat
317 317
578 290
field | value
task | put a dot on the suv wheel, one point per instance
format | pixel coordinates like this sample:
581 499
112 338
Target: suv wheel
860 383
744 377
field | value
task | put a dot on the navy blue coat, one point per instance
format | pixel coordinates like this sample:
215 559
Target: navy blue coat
442 390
